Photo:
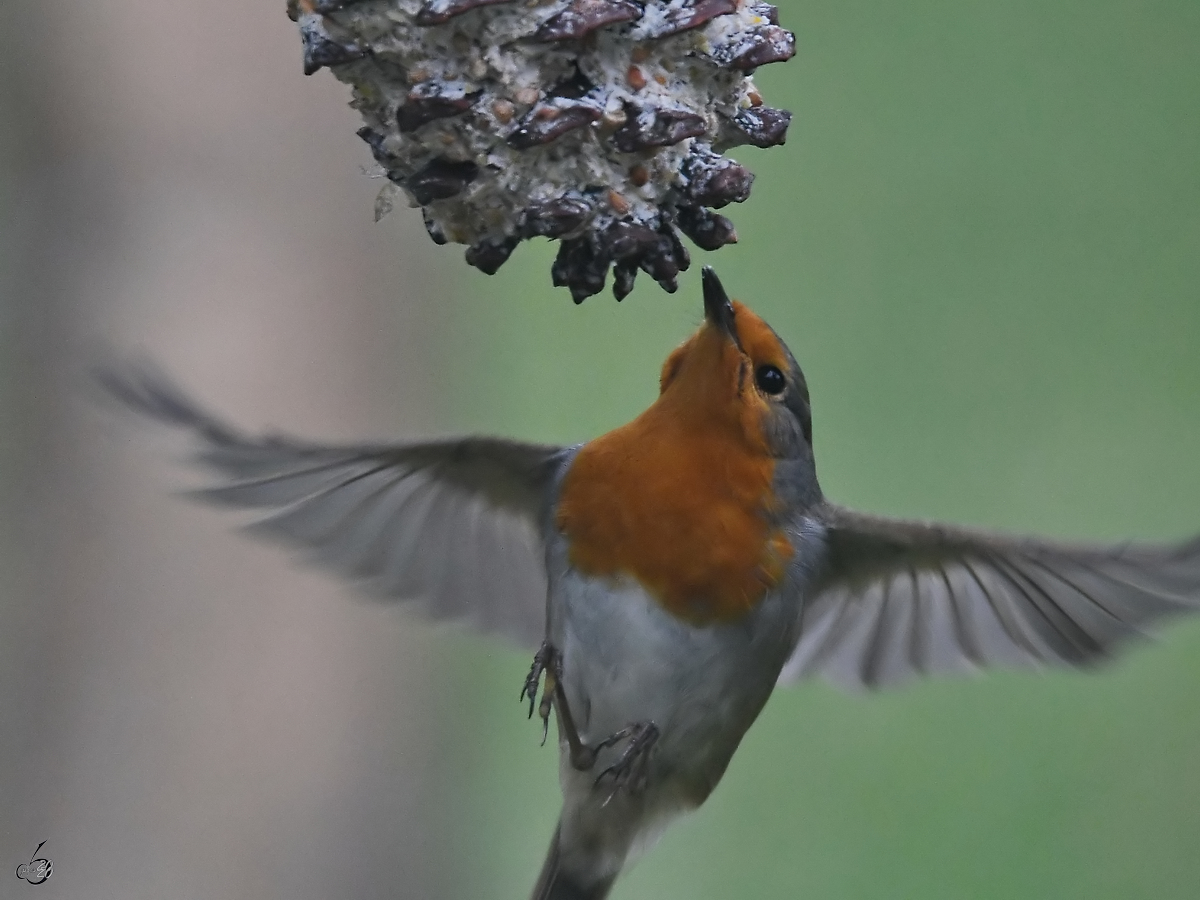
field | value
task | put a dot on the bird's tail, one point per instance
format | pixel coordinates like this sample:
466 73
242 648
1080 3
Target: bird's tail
555 883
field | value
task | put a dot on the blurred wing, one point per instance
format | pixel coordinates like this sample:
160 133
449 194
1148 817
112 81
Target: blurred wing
899 599
453 525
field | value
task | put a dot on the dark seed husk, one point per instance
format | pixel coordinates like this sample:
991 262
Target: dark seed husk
683 259
554 218
574 88
489 256
713 180
440 179
435 12
321 50
585 16
649 127
763 126
548 122
708 230
625 240
624 275
578 268
693 15
765 44
426 103
663 269
730 184
658 253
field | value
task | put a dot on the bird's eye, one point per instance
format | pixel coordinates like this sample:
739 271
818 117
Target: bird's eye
770 380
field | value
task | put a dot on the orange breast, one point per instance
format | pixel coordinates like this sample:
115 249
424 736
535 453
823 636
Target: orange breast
680 499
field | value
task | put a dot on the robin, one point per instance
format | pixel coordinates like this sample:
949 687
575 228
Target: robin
673 571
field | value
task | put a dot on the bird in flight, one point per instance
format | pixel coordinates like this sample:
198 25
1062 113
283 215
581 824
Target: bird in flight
669 574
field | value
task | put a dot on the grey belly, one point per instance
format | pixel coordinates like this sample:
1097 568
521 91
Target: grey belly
626 660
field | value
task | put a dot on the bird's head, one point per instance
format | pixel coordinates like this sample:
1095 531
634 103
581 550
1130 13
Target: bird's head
735 374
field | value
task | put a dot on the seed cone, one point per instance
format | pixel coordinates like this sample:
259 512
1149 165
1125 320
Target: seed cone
598 123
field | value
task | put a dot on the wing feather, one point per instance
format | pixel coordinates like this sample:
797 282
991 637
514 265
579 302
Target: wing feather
452 525
899 599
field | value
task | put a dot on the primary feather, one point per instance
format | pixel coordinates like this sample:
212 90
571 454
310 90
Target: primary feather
898 599
455 525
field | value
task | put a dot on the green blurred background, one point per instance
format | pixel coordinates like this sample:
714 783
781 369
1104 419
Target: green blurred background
982 243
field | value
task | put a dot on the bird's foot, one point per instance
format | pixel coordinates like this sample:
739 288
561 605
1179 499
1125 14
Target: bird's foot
631 768
547 661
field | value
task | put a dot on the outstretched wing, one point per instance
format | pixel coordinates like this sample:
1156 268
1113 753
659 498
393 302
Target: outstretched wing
452 525
898 599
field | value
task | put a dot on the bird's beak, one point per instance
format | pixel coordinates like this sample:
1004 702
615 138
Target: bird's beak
718 311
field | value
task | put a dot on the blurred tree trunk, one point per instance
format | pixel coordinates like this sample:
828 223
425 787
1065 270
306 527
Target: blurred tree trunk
186 714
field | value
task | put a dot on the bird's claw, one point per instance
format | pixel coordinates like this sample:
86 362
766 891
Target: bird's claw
630 769
547 661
